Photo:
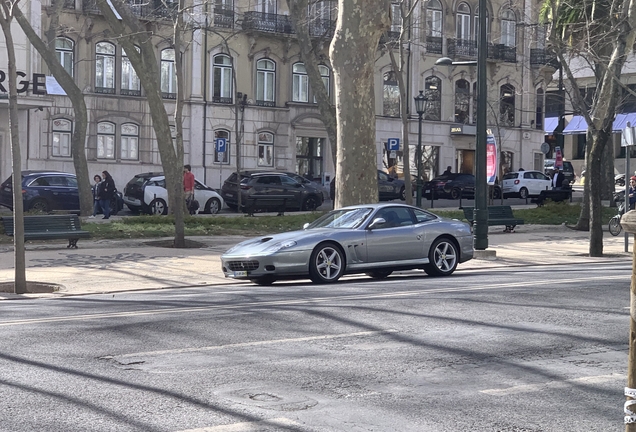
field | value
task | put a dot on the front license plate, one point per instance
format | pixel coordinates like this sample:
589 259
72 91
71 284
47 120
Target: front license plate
240 274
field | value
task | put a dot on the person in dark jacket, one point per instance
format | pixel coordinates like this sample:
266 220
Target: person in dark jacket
97 191
632 192
108 192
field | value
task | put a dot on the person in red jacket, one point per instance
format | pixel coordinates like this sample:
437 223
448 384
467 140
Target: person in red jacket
188 185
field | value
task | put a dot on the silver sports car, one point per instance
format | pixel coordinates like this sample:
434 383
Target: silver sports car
376 239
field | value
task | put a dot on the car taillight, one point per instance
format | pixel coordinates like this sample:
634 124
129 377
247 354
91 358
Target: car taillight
441 184
246 187
516 182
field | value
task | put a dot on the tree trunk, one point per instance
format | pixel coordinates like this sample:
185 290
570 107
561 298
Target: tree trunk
78 140
19 285
131 33
179 48
353 49
298 13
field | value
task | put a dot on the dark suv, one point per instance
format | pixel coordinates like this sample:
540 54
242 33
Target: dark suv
303 196
45 191
389 188
454 186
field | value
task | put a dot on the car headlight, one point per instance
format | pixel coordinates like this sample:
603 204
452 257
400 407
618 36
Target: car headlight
280 246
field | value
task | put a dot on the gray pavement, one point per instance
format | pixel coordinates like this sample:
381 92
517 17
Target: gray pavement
110 266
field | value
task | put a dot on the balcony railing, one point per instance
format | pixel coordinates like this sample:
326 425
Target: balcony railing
262 103
390 36
269 23
105 90
129 92
468 49
433 44
152 9
166 95
321 28
223 17
222 100
541 57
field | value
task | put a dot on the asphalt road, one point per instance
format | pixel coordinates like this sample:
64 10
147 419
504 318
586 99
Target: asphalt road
529 349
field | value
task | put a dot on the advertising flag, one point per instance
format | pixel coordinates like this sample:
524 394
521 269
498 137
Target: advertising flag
491 158
558 158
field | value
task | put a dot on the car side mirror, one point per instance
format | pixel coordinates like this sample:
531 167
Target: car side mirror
306 225
376 222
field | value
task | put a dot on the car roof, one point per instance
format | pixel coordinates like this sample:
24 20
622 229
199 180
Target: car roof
40 172
381 205
149 174
524 171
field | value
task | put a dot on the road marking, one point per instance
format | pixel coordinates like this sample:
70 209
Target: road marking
256 426
311 300
529 388
256 343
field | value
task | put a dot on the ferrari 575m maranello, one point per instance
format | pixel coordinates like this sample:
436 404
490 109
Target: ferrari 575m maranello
375 239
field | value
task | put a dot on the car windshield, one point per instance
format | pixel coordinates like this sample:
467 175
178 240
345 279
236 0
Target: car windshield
342 218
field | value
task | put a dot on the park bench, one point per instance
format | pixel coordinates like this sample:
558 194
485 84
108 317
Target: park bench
497 215
278 203
49 227
554 195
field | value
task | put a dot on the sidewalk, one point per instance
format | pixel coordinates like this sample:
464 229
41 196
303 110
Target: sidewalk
110 266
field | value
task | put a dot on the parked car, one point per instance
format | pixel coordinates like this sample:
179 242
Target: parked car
568 169
376 239
525 184
46 191
305 196
147 193
305 181
389 188
454 186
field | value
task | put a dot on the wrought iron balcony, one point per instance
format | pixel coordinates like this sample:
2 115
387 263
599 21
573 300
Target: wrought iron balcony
541 57
129 92
151 9
222 100
262 103
468 49
433 44
105 90
223 17
321 28
166 95
390 36
269 23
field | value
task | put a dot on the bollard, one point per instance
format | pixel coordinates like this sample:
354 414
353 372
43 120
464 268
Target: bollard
628 222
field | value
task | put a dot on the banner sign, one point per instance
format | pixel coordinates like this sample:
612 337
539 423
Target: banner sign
491 158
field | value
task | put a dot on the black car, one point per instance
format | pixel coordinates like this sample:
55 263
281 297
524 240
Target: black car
567 169
389 188
454 186
46 191
303 196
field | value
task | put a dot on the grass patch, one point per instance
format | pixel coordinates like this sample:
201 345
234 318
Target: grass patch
163 226
550 213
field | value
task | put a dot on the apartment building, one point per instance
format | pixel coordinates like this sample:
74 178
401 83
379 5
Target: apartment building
245 79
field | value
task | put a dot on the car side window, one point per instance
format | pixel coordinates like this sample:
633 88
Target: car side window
528 175
56 181
268 180
71 182
382 176
288 181
542 176
422 216
40 181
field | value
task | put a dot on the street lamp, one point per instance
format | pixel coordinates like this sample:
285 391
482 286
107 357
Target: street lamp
420 107
480 213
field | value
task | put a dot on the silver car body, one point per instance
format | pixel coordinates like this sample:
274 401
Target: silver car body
287 255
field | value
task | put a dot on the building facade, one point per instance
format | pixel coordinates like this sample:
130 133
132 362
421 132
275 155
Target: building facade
245 78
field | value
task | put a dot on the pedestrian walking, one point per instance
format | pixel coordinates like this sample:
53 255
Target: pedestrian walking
188 185
97 188
108 192
632 192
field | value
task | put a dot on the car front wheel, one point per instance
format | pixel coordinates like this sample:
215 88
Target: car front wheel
455 193
213 206
158 207
326 264
311 203
523 193
40 205
443 258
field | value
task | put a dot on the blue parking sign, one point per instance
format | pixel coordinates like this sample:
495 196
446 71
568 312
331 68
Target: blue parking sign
393 144
221 145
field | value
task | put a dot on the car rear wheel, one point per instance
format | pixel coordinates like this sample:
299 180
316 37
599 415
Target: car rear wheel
40 205
311 203
213 206
326 264
523 193
403 193
379 274
496 193
443 258
158 207
264 280
455 193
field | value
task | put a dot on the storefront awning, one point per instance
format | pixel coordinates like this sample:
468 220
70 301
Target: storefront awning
577 125
621 121
550 124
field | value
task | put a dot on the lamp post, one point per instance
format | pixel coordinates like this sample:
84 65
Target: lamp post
480 213
420 107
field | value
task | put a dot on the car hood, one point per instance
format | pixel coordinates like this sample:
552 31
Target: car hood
305 239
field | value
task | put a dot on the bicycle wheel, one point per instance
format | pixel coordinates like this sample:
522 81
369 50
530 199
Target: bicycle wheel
615 227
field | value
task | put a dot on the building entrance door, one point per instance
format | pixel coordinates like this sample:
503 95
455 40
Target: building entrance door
466 161
309 157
